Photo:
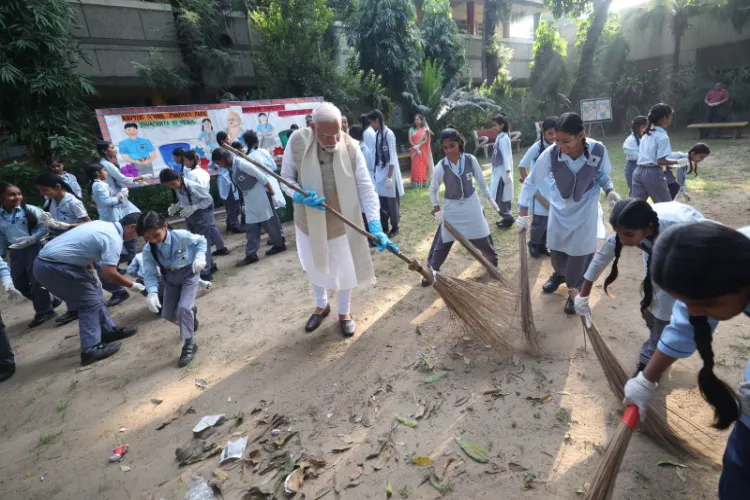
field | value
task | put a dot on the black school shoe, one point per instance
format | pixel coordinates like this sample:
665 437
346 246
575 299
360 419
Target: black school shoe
534 251
316 319
249 259
275 250
118 334
569 307
505 224
234 230
544 250
41 318
187 355
7 371
66 318
56 303
118 298
553 283
219 253
393 233
99 352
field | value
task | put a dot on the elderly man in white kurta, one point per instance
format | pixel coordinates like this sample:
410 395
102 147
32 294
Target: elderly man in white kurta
329 166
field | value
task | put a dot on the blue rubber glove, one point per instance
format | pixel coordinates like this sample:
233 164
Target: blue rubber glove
376 229
311 200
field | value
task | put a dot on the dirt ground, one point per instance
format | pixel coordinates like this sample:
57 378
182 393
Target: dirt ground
59 422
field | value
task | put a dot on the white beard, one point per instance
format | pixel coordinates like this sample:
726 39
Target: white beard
329 149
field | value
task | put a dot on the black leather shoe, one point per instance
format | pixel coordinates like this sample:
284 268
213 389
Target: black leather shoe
553 283
316 319
56 303
348 327
118 334
213 269
99 352
235 230
393 233
249 259
505 224
7 371
219 253
544 250
41 318
275 250
570 307
534 251
188 353
118 298
66 318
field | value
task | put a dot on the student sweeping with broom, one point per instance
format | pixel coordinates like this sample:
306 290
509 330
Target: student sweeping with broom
705 266
461 205
577 168
636 223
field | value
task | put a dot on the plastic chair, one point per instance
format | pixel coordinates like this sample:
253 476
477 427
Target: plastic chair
284 137
515 139
481 142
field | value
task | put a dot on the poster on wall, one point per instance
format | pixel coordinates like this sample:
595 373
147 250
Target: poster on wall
145 137
596 110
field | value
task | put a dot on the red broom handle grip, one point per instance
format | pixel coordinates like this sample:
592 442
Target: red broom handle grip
631 417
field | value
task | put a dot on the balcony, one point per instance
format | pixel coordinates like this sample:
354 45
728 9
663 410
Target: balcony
519 63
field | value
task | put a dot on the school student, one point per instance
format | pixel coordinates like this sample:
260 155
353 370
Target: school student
230 193
7 361
62 211
179 257
136 270
388 182
501 181
631 145
540 199
266 159
461 205
356 133
194 203
687 163
577 168
637 224
66 266
259 210
191 169
21 234
649 180
57 167
705 267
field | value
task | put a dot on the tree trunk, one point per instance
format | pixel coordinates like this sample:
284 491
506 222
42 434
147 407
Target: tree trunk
580 87
489 57
197 88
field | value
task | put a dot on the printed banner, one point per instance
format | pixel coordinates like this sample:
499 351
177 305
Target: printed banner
596 110
145 137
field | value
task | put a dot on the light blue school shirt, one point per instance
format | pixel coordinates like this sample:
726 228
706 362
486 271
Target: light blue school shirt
669 213
179 249
572 226
528 161
224 182
115 179
69 210
85 244
653 146
13 225
109 206
199 195
137 149
369 159
4 272
257 207
631 146
72 181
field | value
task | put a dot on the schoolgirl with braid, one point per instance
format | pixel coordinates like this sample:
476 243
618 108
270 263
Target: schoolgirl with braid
649 178
577 169
705 268
540 200
631 146
637 224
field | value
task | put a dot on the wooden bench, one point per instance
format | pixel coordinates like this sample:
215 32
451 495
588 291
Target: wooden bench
737 126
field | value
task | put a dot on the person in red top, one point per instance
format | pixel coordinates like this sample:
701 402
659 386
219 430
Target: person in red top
715 99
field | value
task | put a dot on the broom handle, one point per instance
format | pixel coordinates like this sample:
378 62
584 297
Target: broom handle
477 254
413 264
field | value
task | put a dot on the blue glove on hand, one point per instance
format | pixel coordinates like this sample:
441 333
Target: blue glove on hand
376 229
311 200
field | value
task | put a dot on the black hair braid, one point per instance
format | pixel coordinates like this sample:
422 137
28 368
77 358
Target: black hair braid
541 145
647 287
31 221
715 391
187 189
614 271
585 147
155 254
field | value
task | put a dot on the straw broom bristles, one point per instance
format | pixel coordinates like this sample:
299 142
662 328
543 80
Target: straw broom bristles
655 425
477 254
530 333
603 481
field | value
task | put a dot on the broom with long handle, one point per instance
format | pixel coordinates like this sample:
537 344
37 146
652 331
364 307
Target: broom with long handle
603 481
477 306
477 254
530 333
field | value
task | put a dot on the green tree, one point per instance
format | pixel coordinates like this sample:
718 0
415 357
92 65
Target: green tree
442 43
494 12
387 41
610 55
42 90
548 62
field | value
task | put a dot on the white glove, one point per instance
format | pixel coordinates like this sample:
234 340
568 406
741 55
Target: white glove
137 287
123 194
582 308
152 300
439 216
389 183
23 242
744 394
199 263
59 226
173 209
188 211
205 284
522 223
13 294
506 178
639 391
613 198
146 177
276 202
46 218
683 162
493 203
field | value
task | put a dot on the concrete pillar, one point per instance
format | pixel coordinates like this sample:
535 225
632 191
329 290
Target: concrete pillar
506 28
470 17
537 20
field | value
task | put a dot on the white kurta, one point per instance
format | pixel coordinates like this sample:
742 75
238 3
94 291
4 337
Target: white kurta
466 215
341 274
381 170
266 159
502 147
198 175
